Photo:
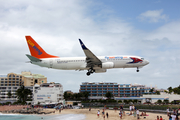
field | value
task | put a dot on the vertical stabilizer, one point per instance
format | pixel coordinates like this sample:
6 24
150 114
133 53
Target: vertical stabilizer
36 50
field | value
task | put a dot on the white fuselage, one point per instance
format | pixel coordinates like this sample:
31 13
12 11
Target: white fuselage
79 63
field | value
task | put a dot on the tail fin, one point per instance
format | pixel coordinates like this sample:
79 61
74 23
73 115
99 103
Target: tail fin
36 50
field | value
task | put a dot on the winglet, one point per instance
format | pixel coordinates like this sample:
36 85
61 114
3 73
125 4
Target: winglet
36 50
82 45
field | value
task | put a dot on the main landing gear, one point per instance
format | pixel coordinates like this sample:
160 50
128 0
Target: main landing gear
90 71
137 69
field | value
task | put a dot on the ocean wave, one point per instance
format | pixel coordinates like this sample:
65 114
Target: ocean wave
9 114
69 117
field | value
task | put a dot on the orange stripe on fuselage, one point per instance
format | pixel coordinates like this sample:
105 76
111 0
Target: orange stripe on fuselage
36 50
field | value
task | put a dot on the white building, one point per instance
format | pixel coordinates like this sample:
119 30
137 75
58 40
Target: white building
48 93
163 96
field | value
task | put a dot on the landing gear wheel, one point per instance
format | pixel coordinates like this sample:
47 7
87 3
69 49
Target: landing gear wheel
137 69
88 73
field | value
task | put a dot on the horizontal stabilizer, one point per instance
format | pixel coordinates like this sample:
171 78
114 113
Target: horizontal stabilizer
34 59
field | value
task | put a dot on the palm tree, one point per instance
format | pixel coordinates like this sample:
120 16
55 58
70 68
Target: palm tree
170 90
109 95
151 90
9 94
23 93
85 94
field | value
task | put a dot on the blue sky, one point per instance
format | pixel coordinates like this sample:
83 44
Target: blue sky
130 10
149 29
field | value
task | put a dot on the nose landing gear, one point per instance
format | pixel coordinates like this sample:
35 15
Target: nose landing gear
137 69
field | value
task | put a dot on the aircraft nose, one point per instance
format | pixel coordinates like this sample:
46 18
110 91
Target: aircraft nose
146 62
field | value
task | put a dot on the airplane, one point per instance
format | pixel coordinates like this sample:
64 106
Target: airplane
91 63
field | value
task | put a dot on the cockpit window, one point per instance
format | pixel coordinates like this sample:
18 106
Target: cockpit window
142 58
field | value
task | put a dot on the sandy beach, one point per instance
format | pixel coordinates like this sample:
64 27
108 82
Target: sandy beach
13 107
92 115
113 115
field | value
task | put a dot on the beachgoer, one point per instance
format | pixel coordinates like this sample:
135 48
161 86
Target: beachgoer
145 114
120 114
142 114
121 108
115 108
167 110
133 107
177 118
137 112
107 114
177 114
89 108
161 118
173 117
170 118
134 113
103 112
105 107
98 113
130 108
157 118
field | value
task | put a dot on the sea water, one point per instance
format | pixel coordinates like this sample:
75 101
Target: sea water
42 117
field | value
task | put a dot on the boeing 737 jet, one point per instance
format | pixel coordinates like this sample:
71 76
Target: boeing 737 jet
91 62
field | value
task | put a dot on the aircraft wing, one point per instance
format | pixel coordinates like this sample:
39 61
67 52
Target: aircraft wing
91 59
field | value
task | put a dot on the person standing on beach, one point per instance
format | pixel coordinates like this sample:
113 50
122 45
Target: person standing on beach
137 112
107 114
98 113
173 117
89 108
121 108
157 118
103 112
167 111
120 114
170 118
134 113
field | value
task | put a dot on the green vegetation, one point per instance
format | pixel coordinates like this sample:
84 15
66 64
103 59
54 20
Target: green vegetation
23 95
76 96
176 90
9 94
109 95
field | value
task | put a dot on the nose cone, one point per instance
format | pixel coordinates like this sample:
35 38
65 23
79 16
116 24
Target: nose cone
146 62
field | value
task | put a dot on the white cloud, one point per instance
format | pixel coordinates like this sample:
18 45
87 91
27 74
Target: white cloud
153 16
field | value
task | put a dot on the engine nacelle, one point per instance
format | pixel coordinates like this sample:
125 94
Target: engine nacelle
100 70
107 65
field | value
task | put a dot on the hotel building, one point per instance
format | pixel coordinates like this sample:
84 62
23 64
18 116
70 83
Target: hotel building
118 90
11 82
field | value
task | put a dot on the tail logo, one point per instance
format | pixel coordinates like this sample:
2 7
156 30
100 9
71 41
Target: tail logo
33 46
